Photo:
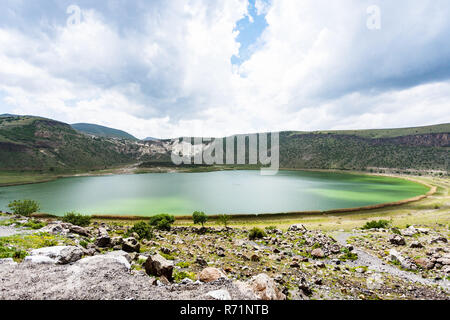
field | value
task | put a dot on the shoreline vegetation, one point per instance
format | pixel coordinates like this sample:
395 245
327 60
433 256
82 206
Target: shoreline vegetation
320 217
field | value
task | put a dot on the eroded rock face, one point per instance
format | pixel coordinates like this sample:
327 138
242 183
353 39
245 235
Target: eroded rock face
211 274
159 266
265 288
60 254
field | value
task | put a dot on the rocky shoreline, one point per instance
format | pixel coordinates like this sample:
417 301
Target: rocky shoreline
103 261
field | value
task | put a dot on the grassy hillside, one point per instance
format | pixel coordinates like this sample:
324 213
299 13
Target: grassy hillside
101 131
33 143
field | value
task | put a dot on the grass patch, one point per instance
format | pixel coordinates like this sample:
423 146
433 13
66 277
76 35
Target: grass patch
178 276
380 224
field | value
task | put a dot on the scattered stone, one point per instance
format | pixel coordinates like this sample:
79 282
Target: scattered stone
424 263
131 245
202 262
255 258
158 266
211 274
318 253
103 242
219 295
416 245
298 228
79 230
397 240
265 288
439 239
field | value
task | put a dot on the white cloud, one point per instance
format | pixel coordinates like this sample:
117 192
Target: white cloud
316 66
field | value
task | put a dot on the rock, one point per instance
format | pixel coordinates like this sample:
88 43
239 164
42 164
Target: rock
265 288
210 275
79 230
120 253
106 261
395 256
318 253
305 287
255 258
297 228
410 231
131 245
424 263
7 262
335 249
439 239
416 244
116 241
219 295
445 261
55 228
158 266
39 260
202 262
397 240
60 254
103 242
221 253
320 264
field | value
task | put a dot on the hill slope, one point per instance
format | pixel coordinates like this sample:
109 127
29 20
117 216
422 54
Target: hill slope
101 131
30 143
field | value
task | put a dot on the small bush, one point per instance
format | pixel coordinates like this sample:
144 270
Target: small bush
178 276
162 221
77 219
183 264
381 224
199 218
9 252
24 207
224 219
256 233
34 224
143 230
84 244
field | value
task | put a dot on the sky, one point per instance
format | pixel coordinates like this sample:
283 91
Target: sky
175 68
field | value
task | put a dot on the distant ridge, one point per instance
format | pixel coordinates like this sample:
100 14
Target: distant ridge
102 131
151 139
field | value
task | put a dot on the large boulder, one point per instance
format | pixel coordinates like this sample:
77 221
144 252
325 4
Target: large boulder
7 261
158 266
60 254
219 295
405 263
131 245
265 288
211 274
39 260
110 260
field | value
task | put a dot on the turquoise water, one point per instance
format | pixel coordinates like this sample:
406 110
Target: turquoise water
231 192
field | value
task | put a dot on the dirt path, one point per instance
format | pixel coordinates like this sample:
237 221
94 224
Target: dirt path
378 265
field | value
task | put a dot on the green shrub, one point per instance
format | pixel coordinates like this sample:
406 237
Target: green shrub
256 233
162 221
84 244
143 230
77 219
223 219
11 252
183 264
24 207
347 255
199 218
381 224
178 276
34 224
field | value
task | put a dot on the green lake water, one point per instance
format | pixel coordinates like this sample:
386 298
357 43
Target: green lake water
230 192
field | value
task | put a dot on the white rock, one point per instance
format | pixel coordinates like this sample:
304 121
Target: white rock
120 253
60 254
8 261
100 261
39 260
219 295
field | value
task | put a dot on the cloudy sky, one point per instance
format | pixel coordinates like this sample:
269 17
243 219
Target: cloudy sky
203 67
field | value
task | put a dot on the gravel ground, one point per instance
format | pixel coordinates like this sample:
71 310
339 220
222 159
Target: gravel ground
54 282
376 264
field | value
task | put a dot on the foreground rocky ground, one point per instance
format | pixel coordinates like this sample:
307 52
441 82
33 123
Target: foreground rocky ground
63 261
